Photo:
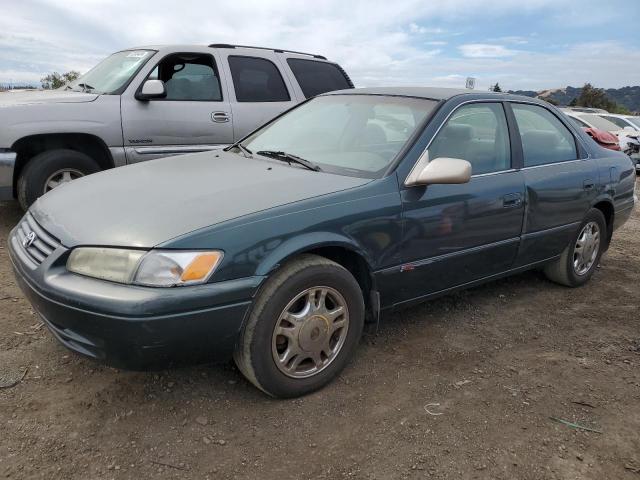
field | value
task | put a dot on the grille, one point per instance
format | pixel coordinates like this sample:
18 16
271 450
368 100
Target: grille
32 240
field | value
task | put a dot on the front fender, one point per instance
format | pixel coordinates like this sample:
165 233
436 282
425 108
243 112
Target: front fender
306 242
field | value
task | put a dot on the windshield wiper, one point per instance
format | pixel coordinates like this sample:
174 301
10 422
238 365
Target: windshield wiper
244 150
290 158
85 87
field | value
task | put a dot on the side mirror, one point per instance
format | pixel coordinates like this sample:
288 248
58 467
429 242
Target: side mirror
151 89
441 170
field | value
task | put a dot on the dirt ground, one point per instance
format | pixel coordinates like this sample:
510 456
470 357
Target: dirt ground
461 387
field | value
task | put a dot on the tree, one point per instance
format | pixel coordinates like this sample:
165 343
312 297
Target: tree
573 102
55 80
593 97
549 100
495 88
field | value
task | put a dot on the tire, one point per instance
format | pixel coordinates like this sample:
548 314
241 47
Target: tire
563 270
259 346
34 176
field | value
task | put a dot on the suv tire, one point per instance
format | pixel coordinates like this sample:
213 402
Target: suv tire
36 174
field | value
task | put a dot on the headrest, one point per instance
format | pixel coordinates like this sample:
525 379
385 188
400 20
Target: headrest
458 133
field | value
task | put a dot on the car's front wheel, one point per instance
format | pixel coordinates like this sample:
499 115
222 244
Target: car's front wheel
580 259
303 328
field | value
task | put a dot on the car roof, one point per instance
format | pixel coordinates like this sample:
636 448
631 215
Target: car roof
429 93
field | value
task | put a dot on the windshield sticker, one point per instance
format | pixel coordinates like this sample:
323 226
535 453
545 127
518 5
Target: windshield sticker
137 55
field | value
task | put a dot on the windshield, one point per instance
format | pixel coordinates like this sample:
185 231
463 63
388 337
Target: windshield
357 135
600 123
112 73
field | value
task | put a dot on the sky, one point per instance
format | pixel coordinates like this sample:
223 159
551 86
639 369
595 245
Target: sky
521 44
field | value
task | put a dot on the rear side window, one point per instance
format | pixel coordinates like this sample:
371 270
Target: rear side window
257 80
618 121
477 133
315 77
545 139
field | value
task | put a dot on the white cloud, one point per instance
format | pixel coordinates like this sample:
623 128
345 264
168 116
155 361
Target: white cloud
485 50
406 42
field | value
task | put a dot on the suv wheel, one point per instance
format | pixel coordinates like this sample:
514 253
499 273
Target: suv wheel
50 169
303 328
580 259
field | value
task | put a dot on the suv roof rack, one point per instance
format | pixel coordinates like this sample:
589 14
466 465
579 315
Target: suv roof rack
277 50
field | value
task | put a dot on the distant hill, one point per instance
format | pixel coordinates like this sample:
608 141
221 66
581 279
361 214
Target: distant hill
626 96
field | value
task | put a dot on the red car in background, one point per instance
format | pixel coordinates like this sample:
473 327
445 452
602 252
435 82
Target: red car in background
604 138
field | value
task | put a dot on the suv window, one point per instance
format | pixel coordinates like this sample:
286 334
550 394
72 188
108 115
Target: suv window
257 80
544 138
477 133
318 77
189 77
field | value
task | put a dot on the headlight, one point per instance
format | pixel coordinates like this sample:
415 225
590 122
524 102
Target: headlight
155 268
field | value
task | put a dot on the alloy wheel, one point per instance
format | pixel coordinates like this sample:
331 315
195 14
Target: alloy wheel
310 332
586 249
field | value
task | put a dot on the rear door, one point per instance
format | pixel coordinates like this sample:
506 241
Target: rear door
259 90
194 116
455 234
560 178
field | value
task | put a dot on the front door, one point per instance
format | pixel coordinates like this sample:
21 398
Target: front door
455 234
194 116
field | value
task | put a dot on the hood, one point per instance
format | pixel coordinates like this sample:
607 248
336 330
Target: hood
34 97
145 204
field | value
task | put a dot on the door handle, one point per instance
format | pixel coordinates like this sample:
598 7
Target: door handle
220 117
588 184
512 200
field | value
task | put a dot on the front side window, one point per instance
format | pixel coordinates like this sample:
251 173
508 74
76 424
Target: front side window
477 133
257 80
316 77
113 73
635 121
189 77
356 135
544 138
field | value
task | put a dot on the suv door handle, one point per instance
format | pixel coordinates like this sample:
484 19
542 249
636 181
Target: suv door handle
588 184
511 200
220 117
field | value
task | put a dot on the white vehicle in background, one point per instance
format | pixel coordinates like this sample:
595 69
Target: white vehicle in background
626 122
629 138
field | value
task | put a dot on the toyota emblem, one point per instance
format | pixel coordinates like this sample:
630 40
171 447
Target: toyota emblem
29 239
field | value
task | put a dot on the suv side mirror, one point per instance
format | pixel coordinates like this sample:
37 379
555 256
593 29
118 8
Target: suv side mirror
151 89
441 170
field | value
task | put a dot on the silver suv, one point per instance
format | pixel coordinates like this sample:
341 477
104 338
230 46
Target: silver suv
150 102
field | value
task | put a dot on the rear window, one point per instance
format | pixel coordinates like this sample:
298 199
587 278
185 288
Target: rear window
257 80
318 77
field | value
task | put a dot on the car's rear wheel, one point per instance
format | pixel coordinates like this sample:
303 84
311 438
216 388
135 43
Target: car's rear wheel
49 170
580 259
303 328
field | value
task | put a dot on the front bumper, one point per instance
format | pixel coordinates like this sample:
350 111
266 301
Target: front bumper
7 166
134 327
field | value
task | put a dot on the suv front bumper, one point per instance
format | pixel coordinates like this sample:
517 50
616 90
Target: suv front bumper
7 166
